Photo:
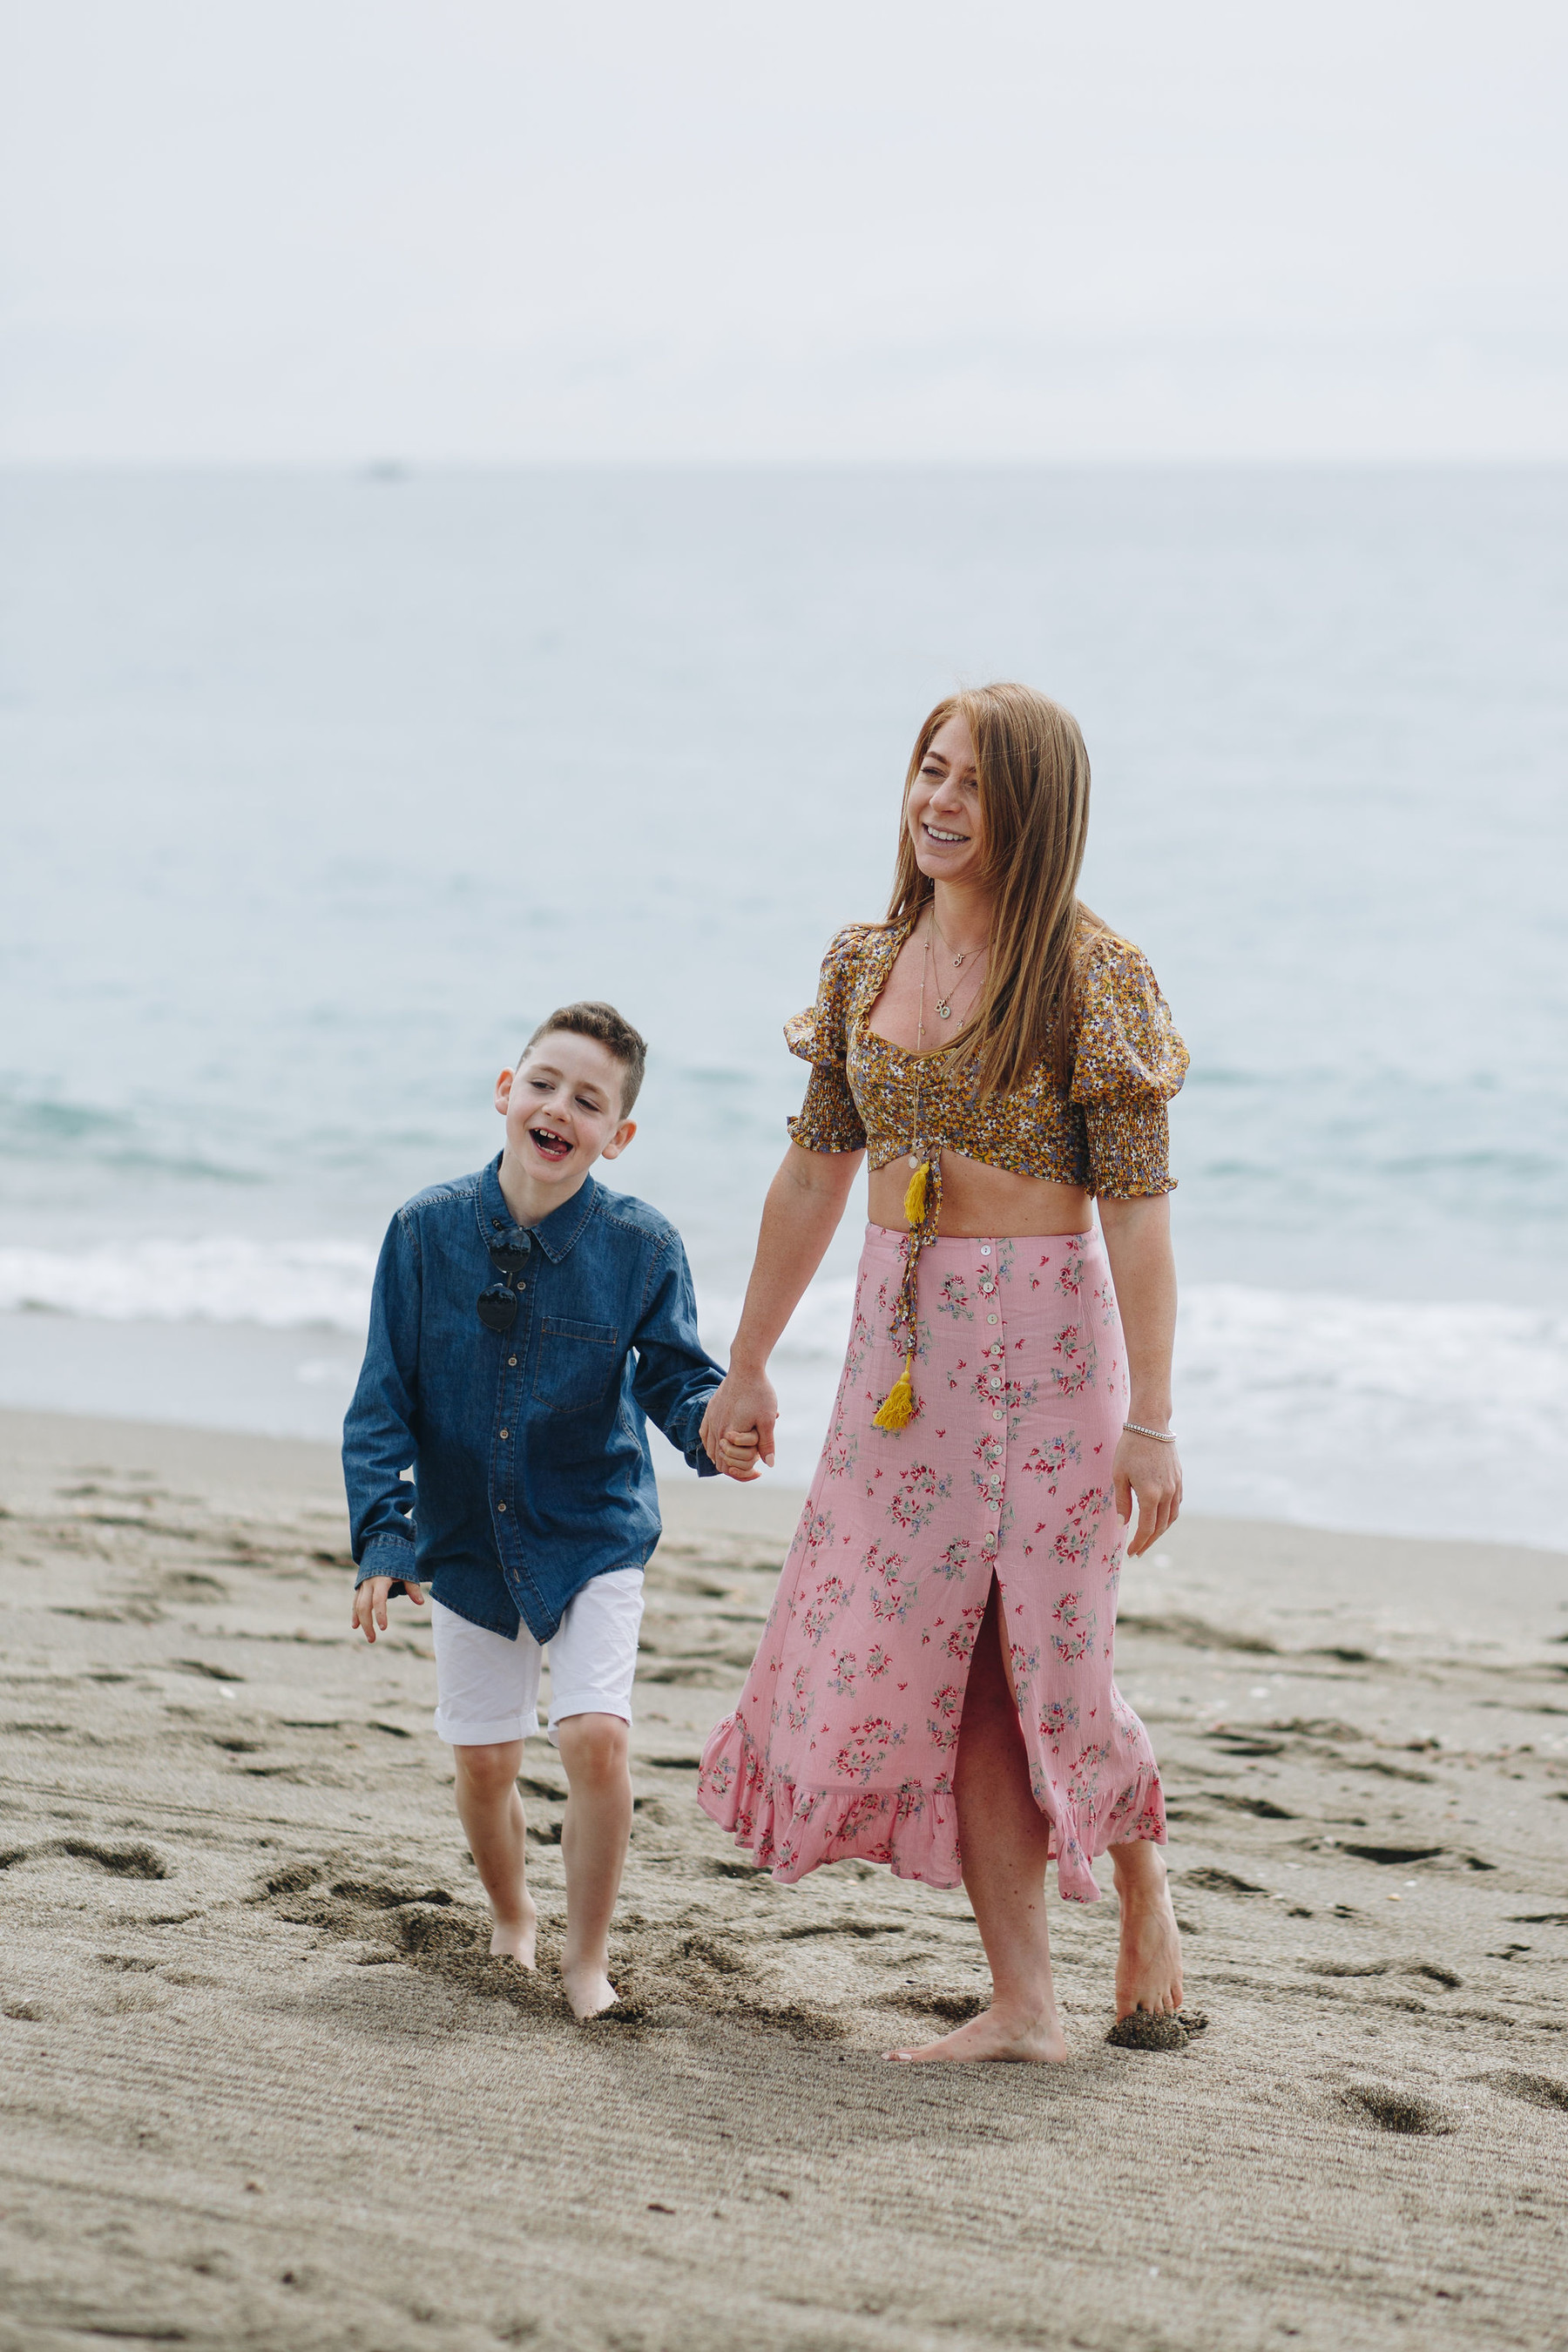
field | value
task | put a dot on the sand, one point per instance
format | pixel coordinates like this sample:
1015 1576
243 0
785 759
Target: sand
262 2087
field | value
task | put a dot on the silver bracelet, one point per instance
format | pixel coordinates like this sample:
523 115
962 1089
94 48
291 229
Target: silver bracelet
1161 1436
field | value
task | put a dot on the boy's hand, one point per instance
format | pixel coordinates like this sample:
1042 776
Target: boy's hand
370 1602
737 1455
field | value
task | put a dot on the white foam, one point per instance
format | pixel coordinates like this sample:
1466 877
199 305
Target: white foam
1434 1418
221 1279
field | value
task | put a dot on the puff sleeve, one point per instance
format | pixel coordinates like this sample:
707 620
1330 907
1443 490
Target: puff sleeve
1128 1064
828 1120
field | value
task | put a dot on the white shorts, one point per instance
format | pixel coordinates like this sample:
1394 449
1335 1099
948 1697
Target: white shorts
487 1687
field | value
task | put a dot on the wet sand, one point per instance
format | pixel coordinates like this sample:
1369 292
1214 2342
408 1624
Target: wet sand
262 2085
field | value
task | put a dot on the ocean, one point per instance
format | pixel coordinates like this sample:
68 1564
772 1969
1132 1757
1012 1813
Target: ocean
320 789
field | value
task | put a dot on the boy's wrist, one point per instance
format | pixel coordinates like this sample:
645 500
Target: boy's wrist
385 1555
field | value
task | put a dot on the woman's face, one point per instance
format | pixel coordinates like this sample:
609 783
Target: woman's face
943 808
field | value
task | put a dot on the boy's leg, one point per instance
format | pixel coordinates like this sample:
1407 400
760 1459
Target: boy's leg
594 1835
593 1662
490 1810
488 1688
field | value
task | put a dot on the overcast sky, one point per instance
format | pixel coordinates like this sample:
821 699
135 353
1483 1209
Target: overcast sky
461 229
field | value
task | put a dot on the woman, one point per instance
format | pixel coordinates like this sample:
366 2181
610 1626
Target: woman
934 1688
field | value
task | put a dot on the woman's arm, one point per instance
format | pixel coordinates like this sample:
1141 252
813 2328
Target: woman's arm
800 1216
1138 1244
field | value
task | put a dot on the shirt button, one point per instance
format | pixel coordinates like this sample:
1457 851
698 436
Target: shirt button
990 1318
996 1416
990 1542
511 1359
506 1432
500 1507
986 1249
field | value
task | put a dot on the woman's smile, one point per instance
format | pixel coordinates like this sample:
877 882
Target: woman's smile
945 819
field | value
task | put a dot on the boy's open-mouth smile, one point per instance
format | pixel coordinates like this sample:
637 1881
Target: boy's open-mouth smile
550 1147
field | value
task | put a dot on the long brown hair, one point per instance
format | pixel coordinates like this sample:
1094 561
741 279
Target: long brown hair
1032 774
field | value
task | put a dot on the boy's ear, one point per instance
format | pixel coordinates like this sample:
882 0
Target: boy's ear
619 1140
503 1091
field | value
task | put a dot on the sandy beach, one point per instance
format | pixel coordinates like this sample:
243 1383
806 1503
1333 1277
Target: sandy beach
263 2086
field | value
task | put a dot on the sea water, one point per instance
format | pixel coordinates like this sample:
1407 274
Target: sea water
320 789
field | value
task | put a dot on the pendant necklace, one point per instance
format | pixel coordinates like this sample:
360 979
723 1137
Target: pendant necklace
944 1004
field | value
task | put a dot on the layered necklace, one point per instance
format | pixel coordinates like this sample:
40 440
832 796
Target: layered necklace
970 955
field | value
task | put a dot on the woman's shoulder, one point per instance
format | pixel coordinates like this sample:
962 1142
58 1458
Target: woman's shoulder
850 977
858 949
1106 955
857 940
1126 1038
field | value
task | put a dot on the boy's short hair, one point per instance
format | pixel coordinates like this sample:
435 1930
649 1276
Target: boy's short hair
617 1036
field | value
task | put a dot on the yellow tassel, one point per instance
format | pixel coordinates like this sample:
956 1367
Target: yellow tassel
897 1408
915 1203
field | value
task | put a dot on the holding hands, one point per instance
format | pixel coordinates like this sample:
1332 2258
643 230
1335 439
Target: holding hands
731 1449
737 1454
738 1426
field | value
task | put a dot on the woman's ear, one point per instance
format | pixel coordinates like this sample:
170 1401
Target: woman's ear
619 1140
503 1091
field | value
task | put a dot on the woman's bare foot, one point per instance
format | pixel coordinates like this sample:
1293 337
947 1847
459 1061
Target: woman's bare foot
588 1989
1149 1961
1026 2041
513 1940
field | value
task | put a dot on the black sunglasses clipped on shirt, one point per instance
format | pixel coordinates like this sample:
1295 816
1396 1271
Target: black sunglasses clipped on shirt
498 1306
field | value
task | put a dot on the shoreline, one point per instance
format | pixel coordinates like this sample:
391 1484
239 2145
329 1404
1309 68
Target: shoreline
1310 1409
257 1461
252 2044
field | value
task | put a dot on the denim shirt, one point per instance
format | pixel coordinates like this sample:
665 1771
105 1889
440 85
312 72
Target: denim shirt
528 1447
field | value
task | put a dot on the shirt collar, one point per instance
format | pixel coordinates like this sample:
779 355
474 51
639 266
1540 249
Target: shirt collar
556 1233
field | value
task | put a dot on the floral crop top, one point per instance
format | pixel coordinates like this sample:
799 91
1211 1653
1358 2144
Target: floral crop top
1108 1130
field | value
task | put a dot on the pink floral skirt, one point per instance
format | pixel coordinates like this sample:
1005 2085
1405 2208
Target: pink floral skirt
847 1732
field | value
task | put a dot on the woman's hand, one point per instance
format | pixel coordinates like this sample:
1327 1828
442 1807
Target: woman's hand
1152 1472
745 1403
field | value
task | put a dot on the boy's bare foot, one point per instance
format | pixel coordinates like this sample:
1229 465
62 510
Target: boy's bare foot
514 1939
1149 1961
588 1989
1028 2041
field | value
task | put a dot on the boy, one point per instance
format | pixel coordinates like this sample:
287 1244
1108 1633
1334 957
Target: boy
524 1320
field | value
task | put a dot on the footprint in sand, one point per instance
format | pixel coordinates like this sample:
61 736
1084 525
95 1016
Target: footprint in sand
125 1861
1536 2089
1143 2031
1394 2111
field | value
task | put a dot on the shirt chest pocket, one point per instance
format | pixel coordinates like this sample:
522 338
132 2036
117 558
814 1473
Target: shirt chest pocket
576 1363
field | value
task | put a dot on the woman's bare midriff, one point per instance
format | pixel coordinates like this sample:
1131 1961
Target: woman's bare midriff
980 1200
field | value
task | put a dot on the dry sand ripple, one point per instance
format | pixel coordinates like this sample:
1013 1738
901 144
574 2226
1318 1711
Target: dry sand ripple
264 2085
